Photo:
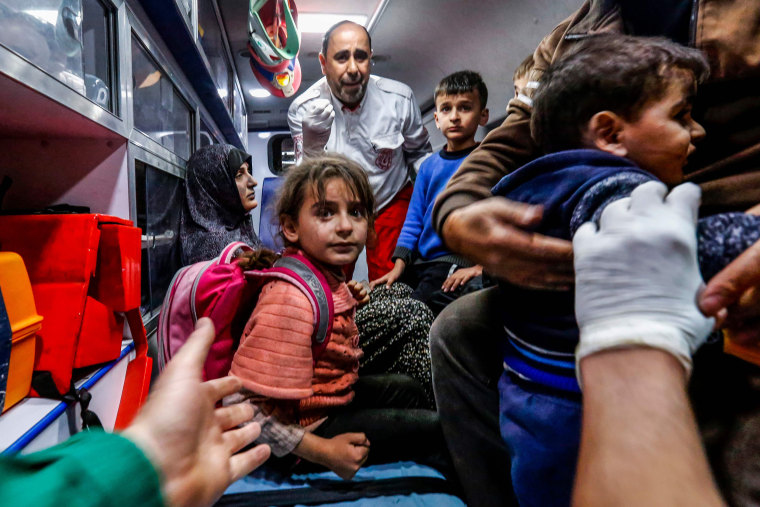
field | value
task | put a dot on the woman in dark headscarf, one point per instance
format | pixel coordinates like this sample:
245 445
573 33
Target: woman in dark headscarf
220 193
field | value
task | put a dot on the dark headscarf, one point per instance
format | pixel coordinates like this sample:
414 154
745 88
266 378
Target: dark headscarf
213 215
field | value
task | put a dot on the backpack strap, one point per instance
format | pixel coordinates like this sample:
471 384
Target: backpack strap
315 282
298 270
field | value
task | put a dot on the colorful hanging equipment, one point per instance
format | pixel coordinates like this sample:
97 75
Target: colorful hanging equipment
283 83
273 36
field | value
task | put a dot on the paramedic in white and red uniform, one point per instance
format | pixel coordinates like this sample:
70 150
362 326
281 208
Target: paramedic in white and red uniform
372 120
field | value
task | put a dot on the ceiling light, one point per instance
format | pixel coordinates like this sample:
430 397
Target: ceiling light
312 22
222 92
264 135
259 93
49 16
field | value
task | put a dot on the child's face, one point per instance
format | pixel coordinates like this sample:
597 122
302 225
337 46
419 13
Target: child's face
245 185
458 116
520 84
661 139
332 231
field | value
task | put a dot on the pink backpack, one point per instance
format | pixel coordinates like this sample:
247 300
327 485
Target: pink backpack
221 290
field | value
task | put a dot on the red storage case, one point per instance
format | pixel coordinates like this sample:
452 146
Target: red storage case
83 269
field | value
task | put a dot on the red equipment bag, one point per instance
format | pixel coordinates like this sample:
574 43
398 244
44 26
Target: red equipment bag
85 272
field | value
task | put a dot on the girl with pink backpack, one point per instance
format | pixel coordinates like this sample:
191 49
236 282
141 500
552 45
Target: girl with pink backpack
316 407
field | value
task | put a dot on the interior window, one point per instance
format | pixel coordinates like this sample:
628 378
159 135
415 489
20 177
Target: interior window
159 197
282 155
159 110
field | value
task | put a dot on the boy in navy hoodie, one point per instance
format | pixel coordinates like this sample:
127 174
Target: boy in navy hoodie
437 275
612 115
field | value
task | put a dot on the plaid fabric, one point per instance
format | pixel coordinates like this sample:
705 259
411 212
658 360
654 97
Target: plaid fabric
282 438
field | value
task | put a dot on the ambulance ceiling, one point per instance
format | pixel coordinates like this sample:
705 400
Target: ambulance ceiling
414 41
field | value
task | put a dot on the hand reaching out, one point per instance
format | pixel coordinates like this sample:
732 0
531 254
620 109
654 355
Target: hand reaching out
188 440
637 276
735 291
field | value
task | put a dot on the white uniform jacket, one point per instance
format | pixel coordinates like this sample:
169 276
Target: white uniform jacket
384 134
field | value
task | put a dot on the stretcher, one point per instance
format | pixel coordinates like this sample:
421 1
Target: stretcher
403 483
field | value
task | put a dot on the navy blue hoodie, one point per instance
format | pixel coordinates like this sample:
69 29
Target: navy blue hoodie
574 187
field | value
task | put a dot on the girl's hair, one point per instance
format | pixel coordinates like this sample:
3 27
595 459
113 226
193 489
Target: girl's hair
312 175
260 258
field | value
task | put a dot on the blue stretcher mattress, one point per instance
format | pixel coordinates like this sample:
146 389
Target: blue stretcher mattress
403 483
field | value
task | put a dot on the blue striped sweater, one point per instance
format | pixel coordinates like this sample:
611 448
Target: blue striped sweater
574 187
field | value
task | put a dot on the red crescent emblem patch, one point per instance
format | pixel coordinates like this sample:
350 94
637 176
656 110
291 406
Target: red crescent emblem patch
384 159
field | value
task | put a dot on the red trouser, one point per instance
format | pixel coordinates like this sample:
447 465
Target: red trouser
388 226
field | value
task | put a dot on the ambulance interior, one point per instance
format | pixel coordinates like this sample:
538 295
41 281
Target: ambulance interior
102 103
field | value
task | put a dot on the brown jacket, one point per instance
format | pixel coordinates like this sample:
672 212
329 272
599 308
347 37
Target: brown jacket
727 163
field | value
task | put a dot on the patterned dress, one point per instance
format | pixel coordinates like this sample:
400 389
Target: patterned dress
393 333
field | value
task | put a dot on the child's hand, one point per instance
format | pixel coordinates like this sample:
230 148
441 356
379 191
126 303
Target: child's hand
460 277
346 453
391 276
359 291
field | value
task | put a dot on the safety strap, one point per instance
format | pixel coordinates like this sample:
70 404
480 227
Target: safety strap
331 491
45 386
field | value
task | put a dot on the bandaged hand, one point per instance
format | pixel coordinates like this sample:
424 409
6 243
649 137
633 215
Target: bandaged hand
317 123
637 277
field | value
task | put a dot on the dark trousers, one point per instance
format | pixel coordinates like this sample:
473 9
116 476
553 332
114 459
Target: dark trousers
386 408
543 431
427 279
466 356
466 360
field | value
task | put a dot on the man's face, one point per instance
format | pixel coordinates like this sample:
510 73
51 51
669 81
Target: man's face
346 64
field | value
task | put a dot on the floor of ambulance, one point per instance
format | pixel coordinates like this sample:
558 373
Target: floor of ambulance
403 484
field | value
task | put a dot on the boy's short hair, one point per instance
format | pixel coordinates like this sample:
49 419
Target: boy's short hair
618 73
462 82
522 70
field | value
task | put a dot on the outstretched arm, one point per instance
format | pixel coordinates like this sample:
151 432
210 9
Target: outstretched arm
640 444
192 443
178 433
637 281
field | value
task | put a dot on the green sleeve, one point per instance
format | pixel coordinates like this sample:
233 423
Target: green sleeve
92 468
